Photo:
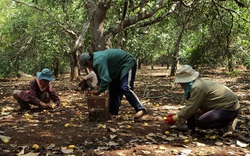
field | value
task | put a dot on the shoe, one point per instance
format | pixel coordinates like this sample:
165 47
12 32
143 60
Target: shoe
233 125
111 116
229 129
180 127
140 113
23 110
197 134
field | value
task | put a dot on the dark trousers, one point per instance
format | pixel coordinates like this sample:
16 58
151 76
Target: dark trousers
125 86
214 119
44 97
85 85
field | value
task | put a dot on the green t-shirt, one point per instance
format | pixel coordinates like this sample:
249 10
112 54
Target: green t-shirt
111 64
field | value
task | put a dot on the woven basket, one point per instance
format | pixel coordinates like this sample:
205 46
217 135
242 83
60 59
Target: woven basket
98 107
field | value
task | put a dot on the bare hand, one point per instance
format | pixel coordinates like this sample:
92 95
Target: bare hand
48 106
45 106
95 92
92 92
57 105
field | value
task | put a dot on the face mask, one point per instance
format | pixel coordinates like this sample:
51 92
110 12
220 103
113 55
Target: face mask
187 88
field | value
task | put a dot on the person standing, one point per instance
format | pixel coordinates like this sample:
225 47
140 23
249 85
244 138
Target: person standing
40 92
210 105
116 70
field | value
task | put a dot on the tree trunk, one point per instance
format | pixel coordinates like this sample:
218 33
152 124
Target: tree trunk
152 66
74 67
96 12
138 63
176 53
229 54
120 38
75 52
55 65
230 65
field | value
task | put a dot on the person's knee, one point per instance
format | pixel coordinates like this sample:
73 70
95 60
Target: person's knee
83 85
201 124
125 89
44 97
15 93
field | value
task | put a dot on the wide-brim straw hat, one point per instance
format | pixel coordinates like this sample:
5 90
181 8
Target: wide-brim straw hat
186 74
45 74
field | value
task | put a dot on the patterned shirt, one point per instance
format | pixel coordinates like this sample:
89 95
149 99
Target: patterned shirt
31 96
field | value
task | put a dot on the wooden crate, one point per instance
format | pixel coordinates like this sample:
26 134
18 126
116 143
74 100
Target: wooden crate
98 107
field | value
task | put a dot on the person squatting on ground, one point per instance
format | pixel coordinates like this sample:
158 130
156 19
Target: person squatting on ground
116 70
89 81
210 105
40 92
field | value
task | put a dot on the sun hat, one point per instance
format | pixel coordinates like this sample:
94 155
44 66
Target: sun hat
84 57
45 74
186 74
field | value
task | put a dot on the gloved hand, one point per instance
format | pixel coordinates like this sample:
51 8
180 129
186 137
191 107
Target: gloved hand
170 115
170 120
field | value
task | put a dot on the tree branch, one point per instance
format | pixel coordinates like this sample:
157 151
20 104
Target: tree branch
155 20
72 33
229 10
79 41
144 16
121 24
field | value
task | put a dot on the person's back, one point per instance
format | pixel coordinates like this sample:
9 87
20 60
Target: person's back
216 95
117 62
207 95
91 79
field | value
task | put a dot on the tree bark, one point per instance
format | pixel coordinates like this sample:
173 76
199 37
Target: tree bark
176 53
75 51
96 13
120 40
229 55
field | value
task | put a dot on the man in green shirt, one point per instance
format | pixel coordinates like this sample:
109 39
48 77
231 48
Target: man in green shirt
115 70
217 104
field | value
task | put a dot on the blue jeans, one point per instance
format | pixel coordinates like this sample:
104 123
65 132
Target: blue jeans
125 86
213 119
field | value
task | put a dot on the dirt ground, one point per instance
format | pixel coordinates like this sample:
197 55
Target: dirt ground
68 130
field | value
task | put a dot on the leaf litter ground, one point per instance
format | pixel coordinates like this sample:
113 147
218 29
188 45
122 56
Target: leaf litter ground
68 131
